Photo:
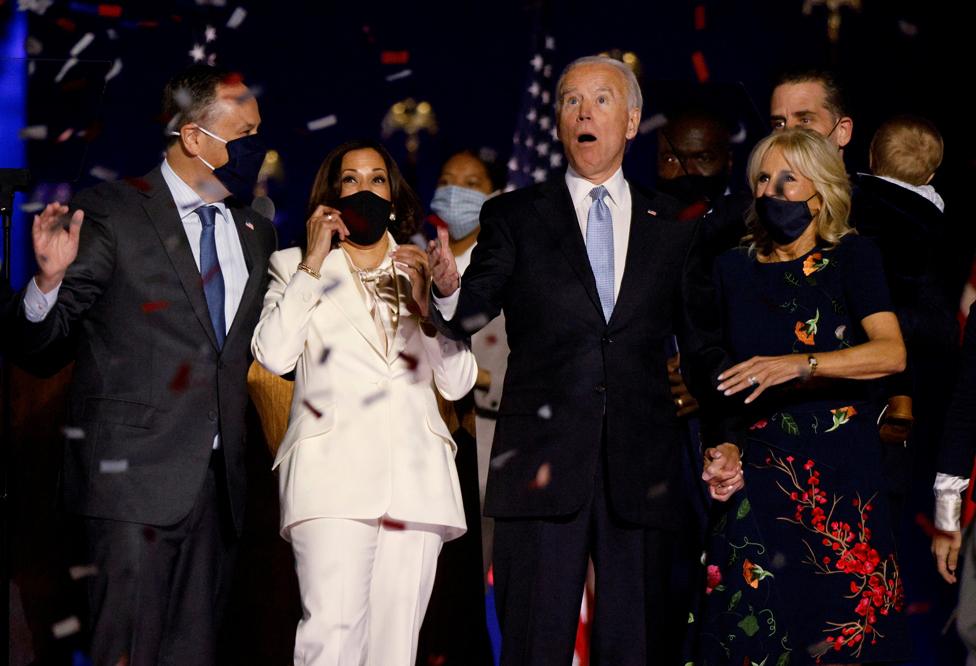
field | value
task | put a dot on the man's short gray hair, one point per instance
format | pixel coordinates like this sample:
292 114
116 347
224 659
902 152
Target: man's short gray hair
634 98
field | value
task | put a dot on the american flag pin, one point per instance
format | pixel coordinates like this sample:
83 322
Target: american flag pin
249 226
652 212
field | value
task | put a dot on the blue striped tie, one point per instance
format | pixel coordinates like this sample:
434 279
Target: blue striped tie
213 278
599 248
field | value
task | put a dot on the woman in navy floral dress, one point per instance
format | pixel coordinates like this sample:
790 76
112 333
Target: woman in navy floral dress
801 562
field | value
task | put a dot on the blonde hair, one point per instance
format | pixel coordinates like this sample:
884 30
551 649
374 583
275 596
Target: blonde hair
815 158
906 148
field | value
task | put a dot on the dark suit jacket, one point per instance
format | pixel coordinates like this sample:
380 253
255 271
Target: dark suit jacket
959 438
150 387
567 367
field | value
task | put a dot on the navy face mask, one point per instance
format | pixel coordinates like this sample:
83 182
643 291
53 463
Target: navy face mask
244 159
783 220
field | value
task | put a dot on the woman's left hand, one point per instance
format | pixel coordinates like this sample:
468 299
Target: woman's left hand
413 261
762 372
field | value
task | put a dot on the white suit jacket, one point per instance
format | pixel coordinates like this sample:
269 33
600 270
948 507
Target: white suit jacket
365 438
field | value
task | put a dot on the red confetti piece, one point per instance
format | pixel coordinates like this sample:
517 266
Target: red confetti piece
491 339
491 575
391 524
148 24
211 274
315 412
65 24
394 57
701 69
65 135
542 477
700 17
139 183
693 212
918 608
233 79
927 525
436 221
436 660
111 11
411 361
181 380
154 306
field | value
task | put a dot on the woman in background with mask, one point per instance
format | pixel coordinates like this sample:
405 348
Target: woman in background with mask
366 473
802 562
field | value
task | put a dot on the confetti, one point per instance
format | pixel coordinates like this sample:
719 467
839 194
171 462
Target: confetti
82 571
72 433
927 525
66 627
394 57
236 18
65 24
110 11
33 46
908 29
315 412
71 62
113 466
701 68
103 173
545 412
740 136
36 6
474 322
209 34
322 123
436 660
139 183
33 207
82 43
112 34
181 380
491 339
114 70
391 524
65 135
700 17
33 132
656 121
399 75
197 53
211 274
542 477
918 608
411 361
370 399
325 355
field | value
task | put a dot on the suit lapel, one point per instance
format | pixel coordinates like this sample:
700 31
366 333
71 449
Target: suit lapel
643 238
557 211
341 289
161 209
252 259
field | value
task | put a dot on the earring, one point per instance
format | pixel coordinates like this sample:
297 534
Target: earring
393 216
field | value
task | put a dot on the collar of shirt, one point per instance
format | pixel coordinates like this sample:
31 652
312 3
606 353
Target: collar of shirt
580 188
186 199
925 191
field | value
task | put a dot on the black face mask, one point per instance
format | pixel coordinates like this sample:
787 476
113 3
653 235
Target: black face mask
240 174
366 215
691 189
783 220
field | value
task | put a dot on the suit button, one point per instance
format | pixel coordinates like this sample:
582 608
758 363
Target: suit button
600 388
606 339
212 415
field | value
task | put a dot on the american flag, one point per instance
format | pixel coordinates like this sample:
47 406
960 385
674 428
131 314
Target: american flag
535 150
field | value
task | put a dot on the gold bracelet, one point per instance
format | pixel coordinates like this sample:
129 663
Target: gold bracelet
305 267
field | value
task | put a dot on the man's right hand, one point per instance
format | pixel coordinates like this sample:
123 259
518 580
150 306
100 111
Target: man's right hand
945 549
321 225
55 243
442 264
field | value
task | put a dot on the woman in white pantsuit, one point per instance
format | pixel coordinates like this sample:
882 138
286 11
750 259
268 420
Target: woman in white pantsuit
366 472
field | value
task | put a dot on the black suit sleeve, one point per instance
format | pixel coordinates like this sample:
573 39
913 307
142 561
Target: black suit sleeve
486 279
83 283
959 439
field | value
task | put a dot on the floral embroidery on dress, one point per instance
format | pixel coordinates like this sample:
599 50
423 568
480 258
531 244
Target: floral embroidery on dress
841 415
814 263
805 330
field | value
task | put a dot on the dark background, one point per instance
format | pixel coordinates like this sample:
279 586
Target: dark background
470 62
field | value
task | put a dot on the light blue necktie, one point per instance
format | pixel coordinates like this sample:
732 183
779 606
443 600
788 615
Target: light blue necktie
210 273
599 248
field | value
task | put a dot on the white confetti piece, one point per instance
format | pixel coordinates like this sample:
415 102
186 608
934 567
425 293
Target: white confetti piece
545 412
653 123
236 18
740 136
66 627
474 322
64 69
113 466
102 173
908 29
115 69
501 459
33 132
36 6
322 123
112 34
82 43
33 46
399 75
32 207
73 433
82 571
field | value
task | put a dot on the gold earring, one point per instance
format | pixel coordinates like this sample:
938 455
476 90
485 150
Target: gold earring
393 216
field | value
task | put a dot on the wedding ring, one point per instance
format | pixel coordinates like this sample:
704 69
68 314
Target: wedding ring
680 403
753 381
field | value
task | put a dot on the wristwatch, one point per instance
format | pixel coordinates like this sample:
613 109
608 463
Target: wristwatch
812 363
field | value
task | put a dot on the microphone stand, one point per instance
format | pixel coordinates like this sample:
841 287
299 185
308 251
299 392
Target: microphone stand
11 181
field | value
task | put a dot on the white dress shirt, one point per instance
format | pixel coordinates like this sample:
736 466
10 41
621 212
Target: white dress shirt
618 200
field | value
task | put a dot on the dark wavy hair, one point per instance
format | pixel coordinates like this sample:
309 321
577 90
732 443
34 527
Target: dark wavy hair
327 187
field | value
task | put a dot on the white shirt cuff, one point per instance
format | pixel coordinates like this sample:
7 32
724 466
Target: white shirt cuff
948 491
37 304
447 305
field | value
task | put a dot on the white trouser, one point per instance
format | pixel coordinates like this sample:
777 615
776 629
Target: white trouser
365 585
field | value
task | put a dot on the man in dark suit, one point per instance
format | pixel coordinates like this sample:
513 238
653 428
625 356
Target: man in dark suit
159 307
585 461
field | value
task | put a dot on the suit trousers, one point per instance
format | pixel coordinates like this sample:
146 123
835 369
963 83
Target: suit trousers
540 569
364 586
159 592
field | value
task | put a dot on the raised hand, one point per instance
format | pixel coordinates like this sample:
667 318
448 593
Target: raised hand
443 267
414 262
55 238
323 223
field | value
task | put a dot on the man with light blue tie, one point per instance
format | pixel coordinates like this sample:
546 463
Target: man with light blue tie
593 279
158 309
